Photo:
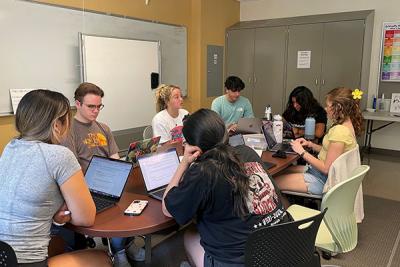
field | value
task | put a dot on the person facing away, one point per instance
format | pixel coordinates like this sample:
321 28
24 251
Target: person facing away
89 137
232 106
40 180
345 113
226 189
167 123
302 104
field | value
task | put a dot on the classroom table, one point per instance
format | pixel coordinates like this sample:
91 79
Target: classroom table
370 117
280 164
113 223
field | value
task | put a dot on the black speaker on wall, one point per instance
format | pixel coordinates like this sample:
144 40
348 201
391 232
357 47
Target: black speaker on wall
155 80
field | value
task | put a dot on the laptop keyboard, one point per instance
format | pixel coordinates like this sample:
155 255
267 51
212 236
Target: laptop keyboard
159 193
101 203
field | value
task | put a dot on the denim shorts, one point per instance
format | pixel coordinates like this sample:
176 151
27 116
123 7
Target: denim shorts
315 180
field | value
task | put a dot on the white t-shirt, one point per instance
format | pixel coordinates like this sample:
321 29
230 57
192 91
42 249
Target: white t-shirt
163 124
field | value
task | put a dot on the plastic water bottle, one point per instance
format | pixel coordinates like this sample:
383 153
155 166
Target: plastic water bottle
267 114
309 132
277 127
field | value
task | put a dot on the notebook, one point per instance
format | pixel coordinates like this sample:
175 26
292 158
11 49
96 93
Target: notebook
272 145
157 170
106 179
249 126
138 148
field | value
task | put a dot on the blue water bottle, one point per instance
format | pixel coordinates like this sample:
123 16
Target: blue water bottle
309 132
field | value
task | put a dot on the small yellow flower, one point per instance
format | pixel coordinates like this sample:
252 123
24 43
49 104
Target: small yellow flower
357 94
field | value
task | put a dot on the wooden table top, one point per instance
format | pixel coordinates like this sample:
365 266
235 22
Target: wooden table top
113 223
280 164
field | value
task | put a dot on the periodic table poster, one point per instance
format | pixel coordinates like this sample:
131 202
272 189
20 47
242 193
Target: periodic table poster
390 70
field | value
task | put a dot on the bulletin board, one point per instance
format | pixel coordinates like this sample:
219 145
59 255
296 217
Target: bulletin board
390 64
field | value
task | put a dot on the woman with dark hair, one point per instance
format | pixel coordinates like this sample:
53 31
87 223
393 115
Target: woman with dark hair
302 104
226 189
344 111
42 182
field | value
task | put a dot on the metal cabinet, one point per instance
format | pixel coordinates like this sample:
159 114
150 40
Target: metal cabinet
257 56
266 59
336 56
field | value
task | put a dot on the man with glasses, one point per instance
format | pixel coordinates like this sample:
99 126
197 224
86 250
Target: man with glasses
88 137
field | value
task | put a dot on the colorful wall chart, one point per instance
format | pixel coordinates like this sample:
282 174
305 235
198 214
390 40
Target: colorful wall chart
390 70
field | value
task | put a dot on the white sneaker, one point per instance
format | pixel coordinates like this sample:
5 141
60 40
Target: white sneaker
120 259
135 253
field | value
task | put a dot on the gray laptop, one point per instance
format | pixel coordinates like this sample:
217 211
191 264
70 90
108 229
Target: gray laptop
106 179
157 170
249 126
272 145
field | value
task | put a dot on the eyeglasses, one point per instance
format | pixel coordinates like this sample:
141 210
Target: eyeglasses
93 107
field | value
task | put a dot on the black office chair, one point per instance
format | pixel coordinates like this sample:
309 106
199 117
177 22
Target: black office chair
287 244
7 255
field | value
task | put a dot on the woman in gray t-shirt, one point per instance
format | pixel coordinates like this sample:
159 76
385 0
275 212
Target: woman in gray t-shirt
41 182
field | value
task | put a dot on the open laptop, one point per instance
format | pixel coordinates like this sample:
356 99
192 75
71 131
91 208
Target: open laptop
288 130
157 170
249 126
138 148
106 179
272 145
236 140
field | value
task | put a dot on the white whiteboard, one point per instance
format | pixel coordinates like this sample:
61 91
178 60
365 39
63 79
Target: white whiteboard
122 68
39 46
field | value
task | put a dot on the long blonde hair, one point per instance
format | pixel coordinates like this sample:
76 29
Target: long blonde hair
163 95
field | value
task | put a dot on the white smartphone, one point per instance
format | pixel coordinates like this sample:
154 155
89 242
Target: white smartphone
136 207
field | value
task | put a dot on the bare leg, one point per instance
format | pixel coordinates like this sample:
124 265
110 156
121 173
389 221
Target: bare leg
87 258
194 251
293 169
292 182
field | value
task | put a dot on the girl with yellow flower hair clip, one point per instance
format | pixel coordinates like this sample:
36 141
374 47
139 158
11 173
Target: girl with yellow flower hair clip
342 107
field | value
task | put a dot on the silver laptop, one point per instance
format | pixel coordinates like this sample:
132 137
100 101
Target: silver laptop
249 126
106 179
272 145
157 170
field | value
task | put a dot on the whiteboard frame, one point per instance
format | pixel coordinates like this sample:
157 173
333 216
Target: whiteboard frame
81 52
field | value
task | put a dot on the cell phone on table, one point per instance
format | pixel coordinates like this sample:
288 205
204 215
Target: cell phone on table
136 207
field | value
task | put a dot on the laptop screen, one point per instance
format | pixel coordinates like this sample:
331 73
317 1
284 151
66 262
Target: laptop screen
107 176
269 134
158 169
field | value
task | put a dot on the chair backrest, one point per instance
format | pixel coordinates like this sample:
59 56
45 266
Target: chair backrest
148 132
340 218
286 244
7 255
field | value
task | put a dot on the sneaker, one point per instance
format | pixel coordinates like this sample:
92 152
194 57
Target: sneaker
120 259
135 253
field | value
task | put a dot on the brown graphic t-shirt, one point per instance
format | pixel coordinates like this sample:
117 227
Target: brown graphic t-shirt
88 139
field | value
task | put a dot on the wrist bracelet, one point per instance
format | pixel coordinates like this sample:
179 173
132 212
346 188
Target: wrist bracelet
58 224
302 153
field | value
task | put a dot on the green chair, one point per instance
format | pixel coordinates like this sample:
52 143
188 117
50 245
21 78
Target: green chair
338 231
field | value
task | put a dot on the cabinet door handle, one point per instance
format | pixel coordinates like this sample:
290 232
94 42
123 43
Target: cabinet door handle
255 79
316 81
323 82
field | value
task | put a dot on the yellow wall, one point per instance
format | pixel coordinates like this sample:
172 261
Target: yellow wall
206 21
